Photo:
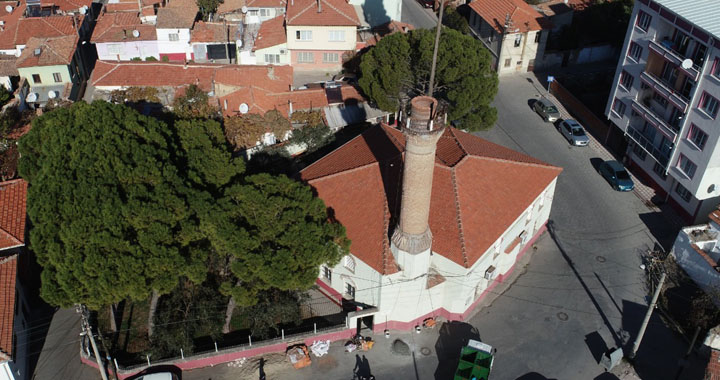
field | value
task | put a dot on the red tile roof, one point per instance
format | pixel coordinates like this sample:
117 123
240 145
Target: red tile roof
715 216
213 32
13 198
524 18
271 33
261 101
67 5
7 33
177 14
270 78
8 271
119 27
712 371
20 32
333 13
469 212
53 51
266 3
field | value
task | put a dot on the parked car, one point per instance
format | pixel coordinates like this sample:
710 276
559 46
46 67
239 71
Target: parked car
545 108
616 175
159 376
574 133
427 3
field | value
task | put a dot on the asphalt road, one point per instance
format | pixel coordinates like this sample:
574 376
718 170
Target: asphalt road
413 13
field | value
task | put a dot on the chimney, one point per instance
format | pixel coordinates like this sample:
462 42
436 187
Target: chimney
319 3
412 239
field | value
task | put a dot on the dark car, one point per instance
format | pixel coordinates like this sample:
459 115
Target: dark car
427 3
616 175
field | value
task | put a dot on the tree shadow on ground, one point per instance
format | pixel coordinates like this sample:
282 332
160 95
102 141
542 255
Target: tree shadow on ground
452 338
533 376
606 376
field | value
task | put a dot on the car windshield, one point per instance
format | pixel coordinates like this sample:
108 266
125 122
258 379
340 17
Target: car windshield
551 109
622 175
578 132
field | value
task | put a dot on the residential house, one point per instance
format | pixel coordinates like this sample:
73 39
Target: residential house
263 10
429 236
213 41
270 47
174 23
320 33
665 98
53 7
14 314
513 31
17 31
697 251
52 68
8 71
231 11
123 36
558 12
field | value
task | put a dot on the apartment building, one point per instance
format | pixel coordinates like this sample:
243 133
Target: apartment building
665 98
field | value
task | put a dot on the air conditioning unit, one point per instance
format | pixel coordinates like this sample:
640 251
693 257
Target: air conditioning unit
490 273
283 51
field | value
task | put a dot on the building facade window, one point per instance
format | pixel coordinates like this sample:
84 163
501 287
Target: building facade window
174 37
660 171
331 57
303 35
57 77
350 290
349 263
305 57
697 136
327 272
639 152
643 21
709 104
518 40
336 36
635 51
618 107
684 193
36 78
686 166
264 12
715 71
537 36
114 49
626 80
272 58
508 62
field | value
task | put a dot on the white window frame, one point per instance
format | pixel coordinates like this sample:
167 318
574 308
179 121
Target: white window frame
349 289
326 273
336 36
518 40
303 35
335 56
264 12
349 263
174 37
272 58
305 57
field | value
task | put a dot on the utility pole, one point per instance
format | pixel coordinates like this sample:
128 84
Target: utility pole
88 331
431 87
636 345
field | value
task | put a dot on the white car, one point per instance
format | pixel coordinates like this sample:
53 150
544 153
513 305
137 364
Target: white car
574 133
159 376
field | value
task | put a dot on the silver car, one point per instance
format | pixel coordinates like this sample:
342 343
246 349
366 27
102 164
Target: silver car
545 108
574 132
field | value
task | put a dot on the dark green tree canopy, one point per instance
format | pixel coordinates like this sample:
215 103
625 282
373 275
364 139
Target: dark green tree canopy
106 205
398 68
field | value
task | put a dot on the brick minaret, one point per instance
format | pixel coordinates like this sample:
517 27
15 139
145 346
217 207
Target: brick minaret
412 239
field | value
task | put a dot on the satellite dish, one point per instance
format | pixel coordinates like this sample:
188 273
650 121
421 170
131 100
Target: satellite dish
52 94
686 64
9 8
83 10
711 188
31 97
243 9
244 108
136 33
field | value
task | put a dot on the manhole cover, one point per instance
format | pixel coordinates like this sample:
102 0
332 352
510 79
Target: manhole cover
562 316
425 351
400 348
600 259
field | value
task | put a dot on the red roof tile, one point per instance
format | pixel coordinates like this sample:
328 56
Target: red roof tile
119 27
270 78
7 33
715 216
8 271
40 27
13 198
229 6
266 3
523 16
212 32
469 212
177 14
53 51
271 33
67 5
333 13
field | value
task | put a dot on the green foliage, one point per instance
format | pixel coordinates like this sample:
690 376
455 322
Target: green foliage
313 137
208 6
8 160
136 59
190 311
5 95
165 58
135 95
453 19
8 121
312 118
465 80
150 59
106 205
386 71
274 307
194 104
245 130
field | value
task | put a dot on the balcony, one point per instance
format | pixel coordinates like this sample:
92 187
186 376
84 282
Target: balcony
648 146
667 90
651 115
665 49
